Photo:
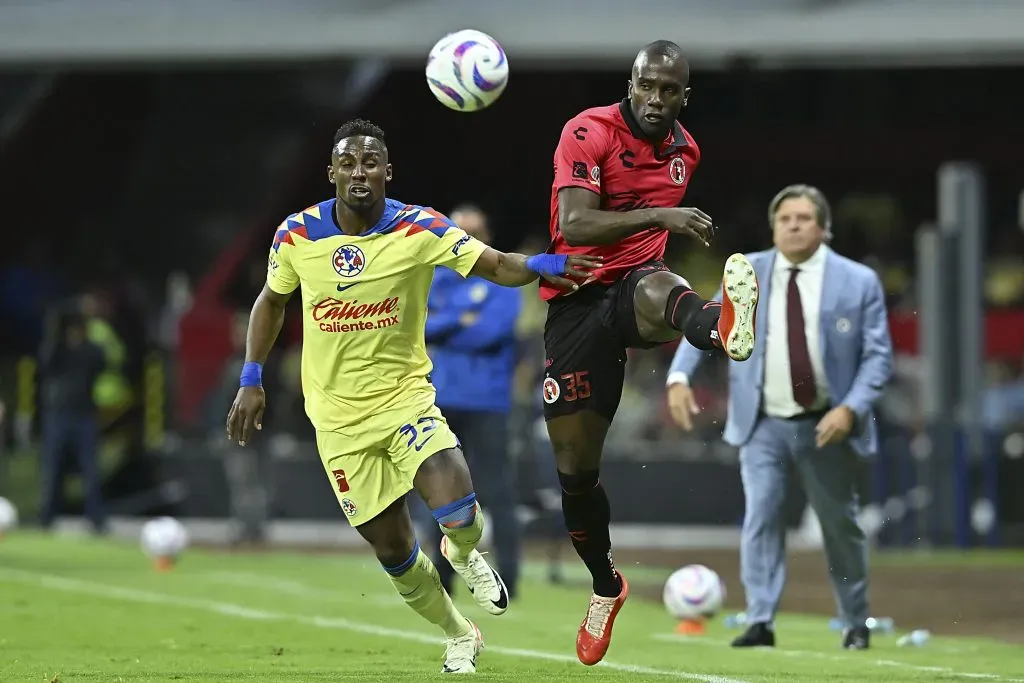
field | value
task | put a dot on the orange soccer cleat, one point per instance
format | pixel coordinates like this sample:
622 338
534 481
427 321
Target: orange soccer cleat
739 308
595 634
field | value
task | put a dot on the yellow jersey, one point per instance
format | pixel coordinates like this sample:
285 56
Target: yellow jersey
365 367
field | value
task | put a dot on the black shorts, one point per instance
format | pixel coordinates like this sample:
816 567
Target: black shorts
585 340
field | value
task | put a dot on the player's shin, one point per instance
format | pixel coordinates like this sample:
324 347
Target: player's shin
463 524
418 583
587 517
696 318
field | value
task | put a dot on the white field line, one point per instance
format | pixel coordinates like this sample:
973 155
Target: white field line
240 611
852 658
269 583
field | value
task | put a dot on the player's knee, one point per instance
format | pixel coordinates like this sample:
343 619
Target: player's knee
576 455
579 482
652 295
646 298
443 477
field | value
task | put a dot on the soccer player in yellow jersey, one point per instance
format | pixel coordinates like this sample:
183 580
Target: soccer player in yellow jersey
364 263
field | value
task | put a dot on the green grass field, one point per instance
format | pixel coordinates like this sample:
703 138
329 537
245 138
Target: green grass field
81 609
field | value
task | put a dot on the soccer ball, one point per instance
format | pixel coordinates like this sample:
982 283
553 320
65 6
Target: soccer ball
467 70
8 516
693 592
164 537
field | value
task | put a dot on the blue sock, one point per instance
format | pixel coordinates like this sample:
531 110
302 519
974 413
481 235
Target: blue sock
456 515
400 569
463 524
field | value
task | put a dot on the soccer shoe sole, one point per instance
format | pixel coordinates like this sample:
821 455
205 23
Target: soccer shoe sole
739 307
495 607
476 653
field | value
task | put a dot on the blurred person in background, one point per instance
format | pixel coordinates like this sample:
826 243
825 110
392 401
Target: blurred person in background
471 341
112 391
794 405
68 368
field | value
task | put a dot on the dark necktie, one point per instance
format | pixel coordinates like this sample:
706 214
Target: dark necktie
800 370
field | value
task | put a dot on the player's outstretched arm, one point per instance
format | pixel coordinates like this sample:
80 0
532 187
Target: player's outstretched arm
583 223
265 322
517 270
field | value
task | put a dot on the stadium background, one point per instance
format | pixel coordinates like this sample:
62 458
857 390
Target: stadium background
148 155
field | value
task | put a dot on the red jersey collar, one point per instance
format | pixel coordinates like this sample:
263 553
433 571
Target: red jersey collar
673 141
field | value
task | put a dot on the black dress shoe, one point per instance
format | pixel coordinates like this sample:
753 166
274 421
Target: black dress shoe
757 635
858 638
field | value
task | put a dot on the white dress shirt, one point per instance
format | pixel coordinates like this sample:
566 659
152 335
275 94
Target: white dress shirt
777 393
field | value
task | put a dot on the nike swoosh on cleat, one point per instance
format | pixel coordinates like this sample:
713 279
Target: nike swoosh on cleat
502 601
342 288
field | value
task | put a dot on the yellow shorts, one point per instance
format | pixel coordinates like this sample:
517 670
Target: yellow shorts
368 480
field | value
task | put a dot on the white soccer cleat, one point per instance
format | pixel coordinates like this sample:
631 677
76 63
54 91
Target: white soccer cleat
739 308
460 653
484 582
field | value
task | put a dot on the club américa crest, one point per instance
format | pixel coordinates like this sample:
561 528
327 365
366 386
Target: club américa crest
348 260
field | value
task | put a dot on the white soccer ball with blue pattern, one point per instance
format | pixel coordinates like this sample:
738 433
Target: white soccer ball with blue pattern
467 70
693 592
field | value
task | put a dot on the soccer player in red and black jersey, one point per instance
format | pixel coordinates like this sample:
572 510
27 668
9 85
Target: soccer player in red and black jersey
621 172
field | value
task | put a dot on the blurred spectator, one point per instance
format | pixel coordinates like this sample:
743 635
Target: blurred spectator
1002 405
112 391
68 369
26 289
471 341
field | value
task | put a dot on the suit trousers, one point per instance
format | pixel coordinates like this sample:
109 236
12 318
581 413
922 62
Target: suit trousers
777 448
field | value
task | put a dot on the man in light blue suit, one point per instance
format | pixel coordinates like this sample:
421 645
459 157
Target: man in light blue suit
804 401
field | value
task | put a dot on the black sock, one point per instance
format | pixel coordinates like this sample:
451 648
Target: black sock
696 318
587 516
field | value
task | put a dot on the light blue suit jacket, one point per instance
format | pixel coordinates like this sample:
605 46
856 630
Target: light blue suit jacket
855 343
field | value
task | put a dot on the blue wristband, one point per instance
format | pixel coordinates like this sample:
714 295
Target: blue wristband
252 374
547 264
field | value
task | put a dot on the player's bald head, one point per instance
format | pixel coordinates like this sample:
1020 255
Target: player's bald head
658 87
663 53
